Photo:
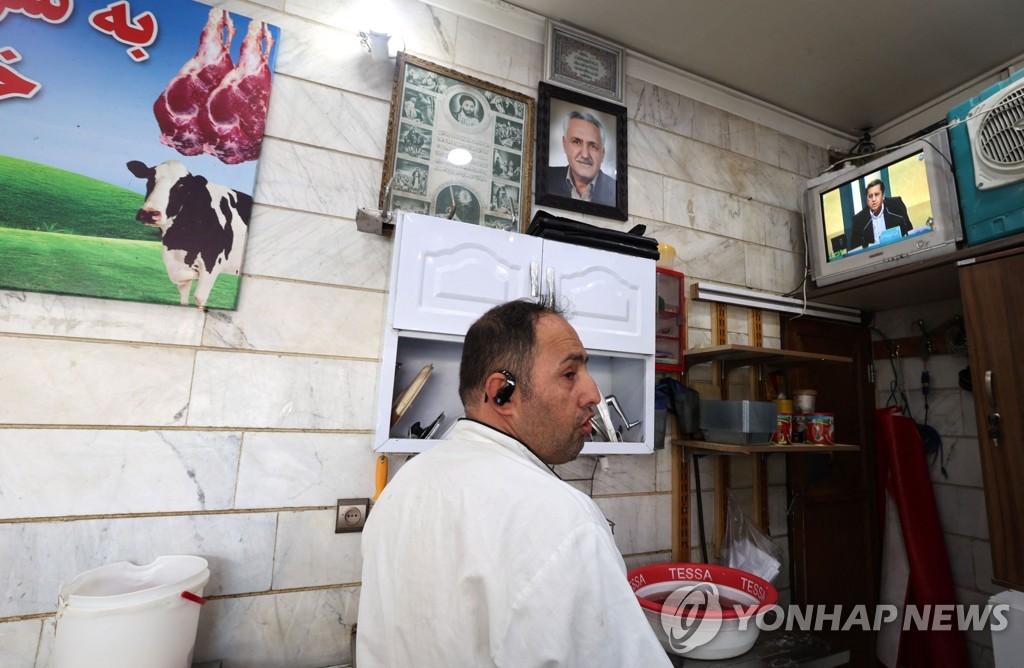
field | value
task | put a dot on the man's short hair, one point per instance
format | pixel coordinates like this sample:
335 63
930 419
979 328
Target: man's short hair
504 338
464 97
584 116
876 182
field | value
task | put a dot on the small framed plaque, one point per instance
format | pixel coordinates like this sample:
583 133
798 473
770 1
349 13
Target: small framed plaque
586 63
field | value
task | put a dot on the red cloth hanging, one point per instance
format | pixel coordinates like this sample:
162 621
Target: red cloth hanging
903 478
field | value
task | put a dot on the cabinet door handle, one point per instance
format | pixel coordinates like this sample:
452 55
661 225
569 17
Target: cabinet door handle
989 390
551 286
534 270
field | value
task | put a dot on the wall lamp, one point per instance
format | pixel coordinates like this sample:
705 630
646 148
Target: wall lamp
381 45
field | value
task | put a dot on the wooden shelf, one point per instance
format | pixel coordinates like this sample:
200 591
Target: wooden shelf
731 449
734 355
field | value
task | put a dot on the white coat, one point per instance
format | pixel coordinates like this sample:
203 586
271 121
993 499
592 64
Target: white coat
476 554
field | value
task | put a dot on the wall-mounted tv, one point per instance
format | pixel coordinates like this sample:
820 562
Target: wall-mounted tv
897 209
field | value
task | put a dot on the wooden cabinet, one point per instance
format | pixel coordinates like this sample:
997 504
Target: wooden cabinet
993 301
446 274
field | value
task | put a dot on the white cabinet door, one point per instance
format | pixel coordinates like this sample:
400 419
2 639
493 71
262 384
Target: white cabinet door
610 297
451 273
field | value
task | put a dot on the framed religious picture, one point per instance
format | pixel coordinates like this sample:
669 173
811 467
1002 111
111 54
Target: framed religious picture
581 153
584 62
458 147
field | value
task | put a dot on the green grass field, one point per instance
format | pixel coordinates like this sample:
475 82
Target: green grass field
65 233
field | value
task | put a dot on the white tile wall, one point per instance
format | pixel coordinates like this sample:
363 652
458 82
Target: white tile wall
281 392
67 472
300 469
86 383
310 554
19 642
306 628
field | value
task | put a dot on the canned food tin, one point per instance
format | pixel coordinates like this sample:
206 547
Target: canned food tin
783 430
821 428
799 428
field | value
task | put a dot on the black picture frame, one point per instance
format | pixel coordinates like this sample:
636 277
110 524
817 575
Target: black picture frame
553 105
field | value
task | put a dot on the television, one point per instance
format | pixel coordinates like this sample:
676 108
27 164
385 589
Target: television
920 215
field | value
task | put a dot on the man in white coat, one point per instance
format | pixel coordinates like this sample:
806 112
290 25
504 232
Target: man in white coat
477 554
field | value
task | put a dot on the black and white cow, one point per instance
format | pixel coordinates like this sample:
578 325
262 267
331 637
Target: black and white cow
202 225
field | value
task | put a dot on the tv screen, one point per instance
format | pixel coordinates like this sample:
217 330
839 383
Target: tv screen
896 209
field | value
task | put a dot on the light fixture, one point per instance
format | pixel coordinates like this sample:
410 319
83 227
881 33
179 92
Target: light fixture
727 294
381 45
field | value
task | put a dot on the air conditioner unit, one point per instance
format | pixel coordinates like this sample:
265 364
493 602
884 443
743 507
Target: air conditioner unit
987 142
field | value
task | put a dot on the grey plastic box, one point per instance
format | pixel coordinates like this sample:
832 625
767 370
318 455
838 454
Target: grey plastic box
741 422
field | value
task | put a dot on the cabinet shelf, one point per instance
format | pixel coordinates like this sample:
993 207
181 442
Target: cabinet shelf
736 355
729 448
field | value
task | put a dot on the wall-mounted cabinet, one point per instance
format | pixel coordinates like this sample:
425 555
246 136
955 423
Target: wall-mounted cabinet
670 321
446 274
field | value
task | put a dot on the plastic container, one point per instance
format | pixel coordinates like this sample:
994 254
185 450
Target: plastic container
737 422
666 256
702 611
126 616
804 400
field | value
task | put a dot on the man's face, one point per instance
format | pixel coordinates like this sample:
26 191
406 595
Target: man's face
875 199
555 419
463 197
468 106
583 148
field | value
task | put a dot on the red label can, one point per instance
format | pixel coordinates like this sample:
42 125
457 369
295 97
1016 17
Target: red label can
821 428
783 430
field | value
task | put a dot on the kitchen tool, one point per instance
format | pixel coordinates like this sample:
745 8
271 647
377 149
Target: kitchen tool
415 431
602 423
405 399
612 401
702 611
381 475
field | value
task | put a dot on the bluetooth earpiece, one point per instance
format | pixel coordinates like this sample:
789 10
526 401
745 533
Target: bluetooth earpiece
505 393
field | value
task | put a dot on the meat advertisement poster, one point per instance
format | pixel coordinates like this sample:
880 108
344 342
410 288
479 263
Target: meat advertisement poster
130 134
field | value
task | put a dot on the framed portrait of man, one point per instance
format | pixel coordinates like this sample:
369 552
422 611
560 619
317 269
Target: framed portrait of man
581 153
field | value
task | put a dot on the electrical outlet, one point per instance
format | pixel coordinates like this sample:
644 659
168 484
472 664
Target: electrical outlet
351 515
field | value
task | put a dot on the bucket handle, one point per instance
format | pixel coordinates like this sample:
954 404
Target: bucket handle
189 596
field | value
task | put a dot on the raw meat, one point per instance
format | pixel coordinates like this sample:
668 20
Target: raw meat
177 109
234 116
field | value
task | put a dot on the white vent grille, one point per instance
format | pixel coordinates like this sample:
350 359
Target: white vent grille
996 131
1001 136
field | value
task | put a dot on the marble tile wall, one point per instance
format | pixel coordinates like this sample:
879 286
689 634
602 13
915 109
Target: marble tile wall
959 493
128 431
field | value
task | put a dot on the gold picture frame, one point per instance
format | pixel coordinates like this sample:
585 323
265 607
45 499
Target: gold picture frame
438 113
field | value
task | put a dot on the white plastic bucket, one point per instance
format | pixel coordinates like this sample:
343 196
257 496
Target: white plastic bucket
127 616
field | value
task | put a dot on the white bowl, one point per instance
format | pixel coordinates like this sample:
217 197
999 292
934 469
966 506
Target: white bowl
702 611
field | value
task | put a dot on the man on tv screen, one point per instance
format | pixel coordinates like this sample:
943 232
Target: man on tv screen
882 213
